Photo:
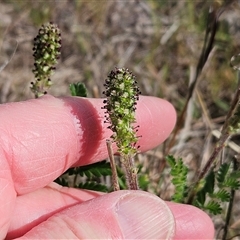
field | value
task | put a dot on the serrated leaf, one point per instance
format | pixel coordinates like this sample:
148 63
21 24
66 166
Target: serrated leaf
208 187
222 172
143 181
209 183
61 181
71 171
122 183
87 173
93 186
78 89
201 197
96 172
177 182
222 195
179 178
213 207
171 160
235 174
96 169
121 179
232 183
198 204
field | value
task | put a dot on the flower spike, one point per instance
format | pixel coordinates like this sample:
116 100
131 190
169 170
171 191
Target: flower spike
122 94
46 51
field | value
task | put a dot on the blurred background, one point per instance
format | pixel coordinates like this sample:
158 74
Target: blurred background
160 41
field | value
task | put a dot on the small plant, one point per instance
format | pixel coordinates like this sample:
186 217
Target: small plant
122 94
216 183
78 89
46 51
212 192
217 189
179 173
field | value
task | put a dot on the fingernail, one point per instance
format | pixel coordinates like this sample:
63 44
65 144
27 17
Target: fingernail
144 216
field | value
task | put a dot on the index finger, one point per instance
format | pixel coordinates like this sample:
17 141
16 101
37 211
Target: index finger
41 138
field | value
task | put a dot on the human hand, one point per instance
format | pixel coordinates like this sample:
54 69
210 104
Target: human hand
40 139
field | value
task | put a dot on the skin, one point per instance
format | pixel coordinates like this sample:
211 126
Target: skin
42 138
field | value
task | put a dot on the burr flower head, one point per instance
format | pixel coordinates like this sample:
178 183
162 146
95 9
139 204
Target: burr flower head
122 94
46 51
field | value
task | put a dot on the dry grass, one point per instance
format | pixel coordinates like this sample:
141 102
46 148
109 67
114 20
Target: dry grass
160 41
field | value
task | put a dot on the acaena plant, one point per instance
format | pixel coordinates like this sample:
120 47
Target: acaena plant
46 51
122 94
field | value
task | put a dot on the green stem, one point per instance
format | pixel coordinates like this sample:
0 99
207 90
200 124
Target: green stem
230 205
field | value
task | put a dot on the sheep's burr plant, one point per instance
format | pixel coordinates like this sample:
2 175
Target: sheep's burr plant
122 94
46 51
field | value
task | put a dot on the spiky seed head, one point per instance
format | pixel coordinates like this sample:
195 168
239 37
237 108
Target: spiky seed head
122 94
46 51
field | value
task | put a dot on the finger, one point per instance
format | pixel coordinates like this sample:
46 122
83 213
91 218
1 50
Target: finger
118 215
41 138
47 136
33 208
191 222
155 117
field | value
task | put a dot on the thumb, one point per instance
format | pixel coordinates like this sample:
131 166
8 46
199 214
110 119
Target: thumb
118 215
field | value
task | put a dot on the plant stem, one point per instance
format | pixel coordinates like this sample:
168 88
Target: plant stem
113 166
131 172
219 146
232 120
211 30
230 125
230 205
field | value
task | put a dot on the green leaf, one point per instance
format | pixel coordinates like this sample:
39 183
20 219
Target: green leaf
222 195
93 186
232 183
171 161
121 178
78 89
179 178
209 183
98 169
222 172
198 204
143 181
235 174
71 171
200 198
213 207
61 181
207 188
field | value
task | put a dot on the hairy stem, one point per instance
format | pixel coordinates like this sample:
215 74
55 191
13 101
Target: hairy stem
113 166
131 172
